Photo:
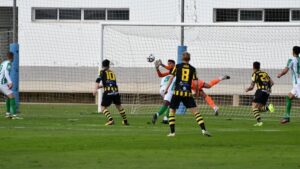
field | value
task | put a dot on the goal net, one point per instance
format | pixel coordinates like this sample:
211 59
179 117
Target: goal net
216 50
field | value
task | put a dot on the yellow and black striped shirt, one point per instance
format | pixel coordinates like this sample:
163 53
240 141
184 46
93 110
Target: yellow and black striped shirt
262 80
185 74
109 80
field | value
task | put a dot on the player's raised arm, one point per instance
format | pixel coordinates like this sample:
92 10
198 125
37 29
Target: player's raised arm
170 66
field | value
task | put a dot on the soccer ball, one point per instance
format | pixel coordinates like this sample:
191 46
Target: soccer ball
150 58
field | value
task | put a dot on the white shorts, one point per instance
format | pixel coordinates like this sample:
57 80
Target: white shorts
296 90
168 96
5 90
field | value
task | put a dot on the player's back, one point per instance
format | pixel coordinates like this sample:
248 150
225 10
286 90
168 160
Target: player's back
184 73
109 80
262 80
293 65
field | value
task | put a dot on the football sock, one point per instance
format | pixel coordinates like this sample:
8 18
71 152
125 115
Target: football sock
162 110
214 82
200 120
210 102
288 106
256 114
107 114
123 114
8 105
172 122
13 106
167 112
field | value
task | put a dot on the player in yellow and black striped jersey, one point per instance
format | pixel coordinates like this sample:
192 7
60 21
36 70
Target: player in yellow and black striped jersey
263 84
111 93
184 74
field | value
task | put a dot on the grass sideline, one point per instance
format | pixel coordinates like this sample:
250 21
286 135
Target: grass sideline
73 137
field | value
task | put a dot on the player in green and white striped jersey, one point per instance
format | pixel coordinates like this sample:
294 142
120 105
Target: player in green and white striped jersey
6 86
294 66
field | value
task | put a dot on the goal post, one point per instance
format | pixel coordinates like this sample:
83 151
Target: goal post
217 49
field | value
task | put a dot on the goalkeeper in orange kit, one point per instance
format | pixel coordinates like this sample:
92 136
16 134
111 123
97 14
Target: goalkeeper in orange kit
207 98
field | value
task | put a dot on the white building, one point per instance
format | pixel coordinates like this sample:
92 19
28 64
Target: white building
67 33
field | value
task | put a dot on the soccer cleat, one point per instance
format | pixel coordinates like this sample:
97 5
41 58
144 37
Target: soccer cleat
165 122
109 123
258 124
216 109
125 123
226 77
206 133
285 120
171 135
15 117
7 115
271 108
154 118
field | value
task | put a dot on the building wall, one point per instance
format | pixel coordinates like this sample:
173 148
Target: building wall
73 43
204 8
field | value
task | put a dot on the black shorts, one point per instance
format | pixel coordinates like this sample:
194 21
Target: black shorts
188 102
261 97
108 99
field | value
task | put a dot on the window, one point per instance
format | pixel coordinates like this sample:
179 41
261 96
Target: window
226 15
78 14
69 14
46 14
296 15
91 14
277 15
117 14
251 15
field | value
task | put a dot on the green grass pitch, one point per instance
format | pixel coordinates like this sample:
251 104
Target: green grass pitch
72 137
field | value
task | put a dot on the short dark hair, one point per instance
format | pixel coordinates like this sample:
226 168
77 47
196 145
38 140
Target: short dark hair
10 56
186 56
256 65
105 63
296 50
171 61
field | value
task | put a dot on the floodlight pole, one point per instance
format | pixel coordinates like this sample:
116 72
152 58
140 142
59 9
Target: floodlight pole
15 21
182 21
14 48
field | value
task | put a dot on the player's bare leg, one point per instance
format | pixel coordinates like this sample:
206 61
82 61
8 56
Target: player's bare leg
200 121
123 114
110 120
172 122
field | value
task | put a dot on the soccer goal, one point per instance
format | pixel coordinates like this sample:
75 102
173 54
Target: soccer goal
216 50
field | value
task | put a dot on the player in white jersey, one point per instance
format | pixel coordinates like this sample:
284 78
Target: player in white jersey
6 86
164 81
294 66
